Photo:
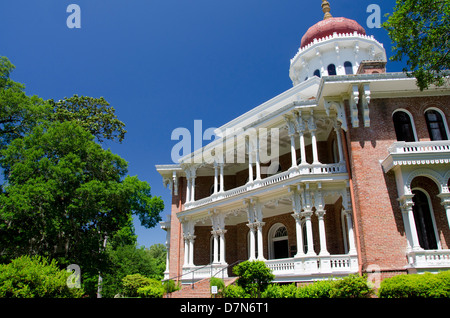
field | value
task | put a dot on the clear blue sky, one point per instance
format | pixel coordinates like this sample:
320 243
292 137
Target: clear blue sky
164 63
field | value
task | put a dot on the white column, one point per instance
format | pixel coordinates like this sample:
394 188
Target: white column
351 236
302 148
293 152
337 129
186 251
191 250
307 215
216 178
222 246
215 247
258 163
445 201
252 242
193 189
299 234
323 240
314 147
188 189
250 167
260 241
408 214
221 177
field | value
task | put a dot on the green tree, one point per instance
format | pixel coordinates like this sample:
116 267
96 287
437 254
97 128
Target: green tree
254 277
420 31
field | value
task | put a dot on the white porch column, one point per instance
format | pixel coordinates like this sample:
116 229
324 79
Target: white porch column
299 234
250 167
186 251
301 130
312 129
323 240
408 217
193 188
188 189
221 177
351 236
191 250
216 247
252 241
259 226
337 129
309 235
216 178
258 163
222 246
445 201
293 151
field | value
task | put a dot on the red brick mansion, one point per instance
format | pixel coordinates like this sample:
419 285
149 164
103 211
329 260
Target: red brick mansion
345 172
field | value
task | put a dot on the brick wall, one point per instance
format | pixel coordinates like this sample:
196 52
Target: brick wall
382 235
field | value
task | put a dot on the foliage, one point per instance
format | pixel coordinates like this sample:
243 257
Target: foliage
129 259
425 285
254 276
35 277
170 286
215 281
93 114
352 286
419 30
154 290
62 192
131 284
235 291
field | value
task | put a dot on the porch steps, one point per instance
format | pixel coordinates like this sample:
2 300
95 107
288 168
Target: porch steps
200 289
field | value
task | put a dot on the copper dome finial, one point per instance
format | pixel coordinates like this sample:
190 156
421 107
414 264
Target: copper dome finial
326 9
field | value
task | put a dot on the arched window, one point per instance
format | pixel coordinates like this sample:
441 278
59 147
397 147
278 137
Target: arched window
317 73
424 220
435 124
278 242
348 68
403 126
331 69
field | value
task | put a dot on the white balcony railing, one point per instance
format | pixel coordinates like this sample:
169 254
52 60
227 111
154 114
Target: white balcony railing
269 181
403 153
429 259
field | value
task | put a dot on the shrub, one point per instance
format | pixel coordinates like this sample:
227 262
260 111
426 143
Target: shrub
234 291
131 284
352 286
215 281
170 286
280 291
154 290
425 285
254 277
319 289
35 277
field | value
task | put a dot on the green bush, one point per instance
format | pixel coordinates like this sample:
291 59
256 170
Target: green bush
352 286
170 286
154 290
319 289
235 291
35 277
425 285
254 277
280 291
131 284
215 281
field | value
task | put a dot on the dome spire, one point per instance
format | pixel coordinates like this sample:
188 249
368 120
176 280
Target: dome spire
326 9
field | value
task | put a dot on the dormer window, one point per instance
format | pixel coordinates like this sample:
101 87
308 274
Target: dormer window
348 68
317 73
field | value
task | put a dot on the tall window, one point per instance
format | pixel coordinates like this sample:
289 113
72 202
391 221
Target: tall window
348 68
279 246
331 69
435 124
317 73
424 221
403 126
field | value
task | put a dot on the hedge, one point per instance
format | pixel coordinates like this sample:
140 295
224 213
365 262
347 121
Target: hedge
425 285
